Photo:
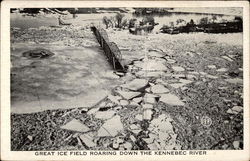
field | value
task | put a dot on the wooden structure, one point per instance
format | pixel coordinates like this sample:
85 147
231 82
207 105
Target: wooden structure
111 50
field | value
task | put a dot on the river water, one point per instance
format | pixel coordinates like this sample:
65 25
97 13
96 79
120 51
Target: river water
74 76
25 22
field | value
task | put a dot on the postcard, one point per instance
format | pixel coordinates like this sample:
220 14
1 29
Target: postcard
125 80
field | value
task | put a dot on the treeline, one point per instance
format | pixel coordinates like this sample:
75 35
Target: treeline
119 21
205 24
116 21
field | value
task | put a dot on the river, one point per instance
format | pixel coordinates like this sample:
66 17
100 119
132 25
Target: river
74 76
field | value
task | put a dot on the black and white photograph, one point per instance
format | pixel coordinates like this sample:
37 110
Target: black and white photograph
108 79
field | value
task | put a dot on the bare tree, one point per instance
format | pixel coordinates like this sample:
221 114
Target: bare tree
105 20
124 23
112 21
119 18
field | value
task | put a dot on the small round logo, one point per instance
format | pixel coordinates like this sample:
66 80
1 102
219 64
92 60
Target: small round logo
206 121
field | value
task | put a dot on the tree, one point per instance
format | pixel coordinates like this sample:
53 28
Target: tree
132 22
191 22
112 21
119 18
105 20
237 18
148 19
179 21
214 18
124 23
204 20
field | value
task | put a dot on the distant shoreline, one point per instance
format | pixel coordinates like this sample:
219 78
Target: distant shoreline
135 11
